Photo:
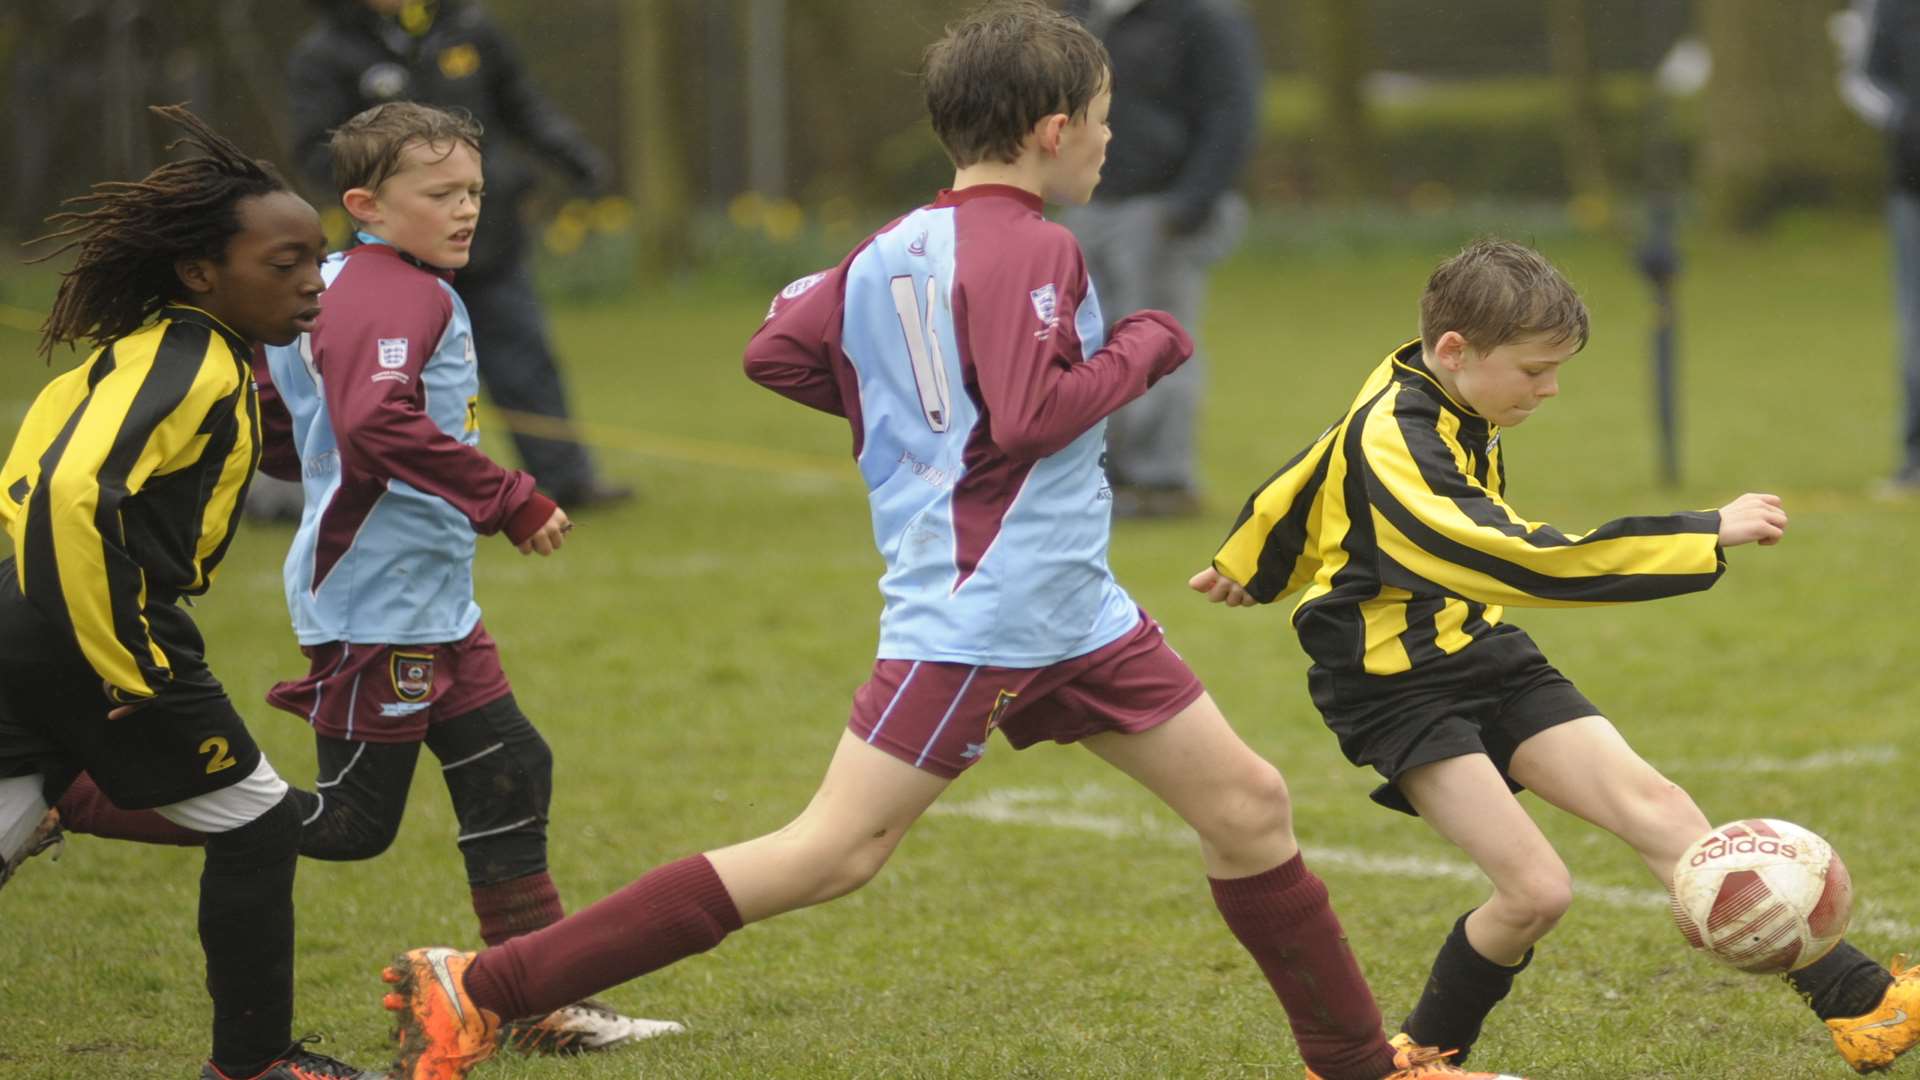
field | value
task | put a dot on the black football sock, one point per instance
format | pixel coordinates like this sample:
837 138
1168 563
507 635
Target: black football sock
1845 982
1462 989
246 929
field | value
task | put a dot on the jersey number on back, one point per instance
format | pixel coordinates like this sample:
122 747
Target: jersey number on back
923 349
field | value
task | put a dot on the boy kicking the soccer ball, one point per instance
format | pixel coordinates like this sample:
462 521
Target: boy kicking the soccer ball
1395 524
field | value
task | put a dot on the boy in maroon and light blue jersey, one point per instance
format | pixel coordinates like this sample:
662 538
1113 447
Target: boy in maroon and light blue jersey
963 344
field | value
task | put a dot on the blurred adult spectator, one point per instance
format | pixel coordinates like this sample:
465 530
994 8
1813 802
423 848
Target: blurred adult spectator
448 53
1186 81
1888 101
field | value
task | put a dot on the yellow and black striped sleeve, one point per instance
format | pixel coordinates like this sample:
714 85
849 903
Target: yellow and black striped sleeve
1270 550
1439 528
1267 551
144 405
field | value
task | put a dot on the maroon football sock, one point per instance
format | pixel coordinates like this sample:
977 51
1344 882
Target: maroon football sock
508 909
1283 918
671 913
86 810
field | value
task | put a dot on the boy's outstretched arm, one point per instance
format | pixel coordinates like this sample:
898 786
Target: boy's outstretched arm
1437 527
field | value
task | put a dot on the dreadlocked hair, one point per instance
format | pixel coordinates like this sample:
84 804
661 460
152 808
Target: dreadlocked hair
136 231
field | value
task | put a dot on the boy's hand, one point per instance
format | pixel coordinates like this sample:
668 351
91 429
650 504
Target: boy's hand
1220 589
1752 518
547 539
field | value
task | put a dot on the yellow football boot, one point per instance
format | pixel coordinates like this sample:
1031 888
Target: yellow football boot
1870 1043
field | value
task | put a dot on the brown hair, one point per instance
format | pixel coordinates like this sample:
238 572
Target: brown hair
1003 69
367 150
1495 292
137 230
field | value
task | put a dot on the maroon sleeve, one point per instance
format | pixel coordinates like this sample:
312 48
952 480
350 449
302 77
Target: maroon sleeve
792 352
279 458
1014 315
376 410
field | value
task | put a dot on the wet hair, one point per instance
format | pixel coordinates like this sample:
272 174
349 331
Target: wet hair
136 231
1495 292
1003 69
370 148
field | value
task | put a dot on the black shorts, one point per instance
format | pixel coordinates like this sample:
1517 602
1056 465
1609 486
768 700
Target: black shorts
1488 698
186 741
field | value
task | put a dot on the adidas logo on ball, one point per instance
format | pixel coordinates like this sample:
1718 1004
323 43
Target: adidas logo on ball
1719 847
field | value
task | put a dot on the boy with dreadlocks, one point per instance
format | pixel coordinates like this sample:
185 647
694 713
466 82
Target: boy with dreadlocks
120 495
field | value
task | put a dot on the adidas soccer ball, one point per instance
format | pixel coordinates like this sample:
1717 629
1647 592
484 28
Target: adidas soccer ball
1761 895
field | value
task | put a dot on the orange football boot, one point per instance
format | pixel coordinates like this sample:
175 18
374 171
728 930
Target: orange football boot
441 1033
1870 1043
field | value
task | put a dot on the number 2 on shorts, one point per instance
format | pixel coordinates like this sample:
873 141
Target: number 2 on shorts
220 758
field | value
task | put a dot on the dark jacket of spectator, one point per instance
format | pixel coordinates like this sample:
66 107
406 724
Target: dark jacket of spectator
354 59
1893 66
1186 88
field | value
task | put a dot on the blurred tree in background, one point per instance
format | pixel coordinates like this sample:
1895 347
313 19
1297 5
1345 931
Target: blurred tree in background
1773 131
1337 53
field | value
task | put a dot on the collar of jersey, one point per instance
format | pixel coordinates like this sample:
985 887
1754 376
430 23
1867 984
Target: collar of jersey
367 239
189 313
950 197
1410 357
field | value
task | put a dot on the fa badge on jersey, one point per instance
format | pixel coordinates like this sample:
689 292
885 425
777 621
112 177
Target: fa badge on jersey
412 675
393 352
1044 302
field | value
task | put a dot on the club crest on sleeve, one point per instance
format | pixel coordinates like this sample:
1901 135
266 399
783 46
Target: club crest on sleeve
794 289
393 352
412 675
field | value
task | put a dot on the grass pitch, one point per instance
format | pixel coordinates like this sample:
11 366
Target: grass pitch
691 657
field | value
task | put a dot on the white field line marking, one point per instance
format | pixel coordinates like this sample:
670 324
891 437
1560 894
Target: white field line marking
1057 808
1850 758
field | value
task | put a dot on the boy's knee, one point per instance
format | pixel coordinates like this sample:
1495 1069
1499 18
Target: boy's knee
1540 901
1670 803
1251 809
343 832
857 865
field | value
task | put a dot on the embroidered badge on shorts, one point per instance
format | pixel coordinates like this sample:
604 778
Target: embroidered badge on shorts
412 675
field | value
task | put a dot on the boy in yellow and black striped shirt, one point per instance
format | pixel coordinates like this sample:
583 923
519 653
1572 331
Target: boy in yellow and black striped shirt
1393 524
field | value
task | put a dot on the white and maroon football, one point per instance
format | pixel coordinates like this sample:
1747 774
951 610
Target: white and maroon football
1761 895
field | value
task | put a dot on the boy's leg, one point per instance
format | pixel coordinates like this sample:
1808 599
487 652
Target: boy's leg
1274 905
1586 768
246 915
856 818
499 774
1465 800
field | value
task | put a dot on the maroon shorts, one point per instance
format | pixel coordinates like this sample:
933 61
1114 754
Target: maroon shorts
390 693
937 716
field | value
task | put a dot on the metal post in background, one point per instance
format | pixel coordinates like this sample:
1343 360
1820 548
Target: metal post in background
1659 259
767 96
1683 69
